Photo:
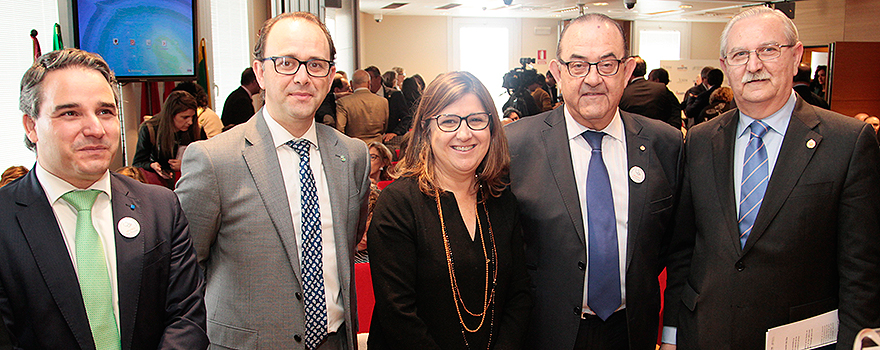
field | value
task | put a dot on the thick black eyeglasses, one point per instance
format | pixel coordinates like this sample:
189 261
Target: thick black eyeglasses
605 68
451 122
287 65
764 53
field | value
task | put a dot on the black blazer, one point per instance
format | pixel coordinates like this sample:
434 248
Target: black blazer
653 100
814 246
160 287
543 180
238 107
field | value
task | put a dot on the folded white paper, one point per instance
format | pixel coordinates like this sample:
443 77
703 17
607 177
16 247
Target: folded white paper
811 333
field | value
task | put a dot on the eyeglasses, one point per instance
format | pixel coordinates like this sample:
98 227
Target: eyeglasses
287 65
605 68
764 53
451 122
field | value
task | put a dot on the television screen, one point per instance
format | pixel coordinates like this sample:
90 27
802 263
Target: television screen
139 39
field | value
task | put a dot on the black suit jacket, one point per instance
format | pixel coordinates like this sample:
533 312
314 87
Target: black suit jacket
810 97
399 116
160 287
543 180
653 100
696 105
238 107
814 246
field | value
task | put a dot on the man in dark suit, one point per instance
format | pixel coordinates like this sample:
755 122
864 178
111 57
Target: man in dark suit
778 220
648 98
801 85
239 107
91 259
695 105
596 188
399 117
278 204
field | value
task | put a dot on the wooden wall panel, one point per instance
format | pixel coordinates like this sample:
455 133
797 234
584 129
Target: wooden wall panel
820 22
861 20
855 88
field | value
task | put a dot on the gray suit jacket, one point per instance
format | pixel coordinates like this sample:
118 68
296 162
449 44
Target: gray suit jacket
543 180
234 196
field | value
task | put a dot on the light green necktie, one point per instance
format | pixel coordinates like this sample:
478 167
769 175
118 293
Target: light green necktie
94 280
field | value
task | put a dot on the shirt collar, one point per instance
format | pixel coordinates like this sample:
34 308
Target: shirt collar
575 129
280 135
778 121
55 187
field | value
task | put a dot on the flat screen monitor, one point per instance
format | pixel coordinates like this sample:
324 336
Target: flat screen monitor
140 40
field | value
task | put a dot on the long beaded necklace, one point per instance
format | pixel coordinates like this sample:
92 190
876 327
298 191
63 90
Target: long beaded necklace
489 292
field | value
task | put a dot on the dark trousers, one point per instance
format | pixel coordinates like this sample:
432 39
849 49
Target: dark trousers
595 334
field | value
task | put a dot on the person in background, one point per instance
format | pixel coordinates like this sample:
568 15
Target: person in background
861 116
209 121
510 115
12 173
541 97
362 115
389 79
131 172
720 101
239 107
551 88
401 75
701 84
411 94
819 82
421 81
659 75
778 216
695 105
380 162
801 85
399 117
91 259
874 122
450 214
648 98
162 137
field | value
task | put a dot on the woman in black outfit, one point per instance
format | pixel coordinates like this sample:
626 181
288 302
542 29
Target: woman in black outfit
160 137
446 247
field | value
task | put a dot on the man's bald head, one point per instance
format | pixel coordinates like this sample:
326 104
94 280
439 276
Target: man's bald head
360 79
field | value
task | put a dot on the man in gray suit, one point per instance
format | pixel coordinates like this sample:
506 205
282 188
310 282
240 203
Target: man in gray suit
594 247
276 205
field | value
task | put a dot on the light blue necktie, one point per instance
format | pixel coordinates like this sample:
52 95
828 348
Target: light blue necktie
603 281
91 271
755 176
312 265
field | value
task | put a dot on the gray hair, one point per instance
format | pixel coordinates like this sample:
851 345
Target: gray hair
589 18
789 29
32 81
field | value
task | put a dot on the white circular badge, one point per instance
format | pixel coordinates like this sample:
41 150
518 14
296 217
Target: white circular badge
637 174
129 227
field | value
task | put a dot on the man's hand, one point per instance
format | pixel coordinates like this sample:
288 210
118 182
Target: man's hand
665 346
388 137
175 164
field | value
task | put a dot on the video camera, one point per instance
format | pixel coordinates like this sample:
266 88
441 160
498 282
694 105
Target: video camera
517 82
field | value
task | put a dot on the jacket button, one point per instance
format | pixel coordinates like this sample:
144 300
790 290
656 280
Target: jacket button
581 265
298 338
740 266
299 296
577 310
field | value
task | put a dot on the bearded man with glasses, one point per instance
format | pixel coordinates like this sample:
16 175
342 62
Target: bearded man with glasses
780 206
277 205
596 188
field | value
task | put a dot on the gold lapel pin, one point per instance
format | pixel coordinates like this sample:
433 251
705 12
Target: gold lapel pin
811 143
642 148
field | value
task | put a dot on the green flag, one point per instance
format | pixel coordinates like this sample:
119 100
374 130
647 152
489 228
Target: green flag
57 44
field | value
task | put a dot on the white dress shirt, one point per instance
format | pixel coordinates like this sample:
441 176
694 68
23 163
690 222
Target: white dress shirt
289 161
614 157
102 220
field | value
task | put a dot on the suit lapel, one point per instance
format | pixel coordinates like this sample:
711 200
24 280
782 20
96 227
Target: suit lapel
555 138
335 159
129 258
262 161
723 162
793 158
46 242
635 142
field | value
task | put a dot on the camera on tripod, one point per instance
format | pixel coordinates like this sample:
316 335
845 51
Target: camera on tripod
517 81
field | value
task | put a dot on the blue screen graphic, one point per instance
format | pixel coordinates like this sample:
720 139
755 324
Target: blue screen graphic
137 38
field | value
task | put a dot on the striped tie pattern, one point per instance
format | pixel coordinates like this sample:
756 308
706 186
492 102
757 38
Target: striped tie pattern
755 176
94 279
312 265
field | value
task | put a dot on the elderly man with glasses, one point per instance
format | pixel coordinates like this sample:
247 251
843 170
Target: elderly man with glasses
277 204
596 188
779 212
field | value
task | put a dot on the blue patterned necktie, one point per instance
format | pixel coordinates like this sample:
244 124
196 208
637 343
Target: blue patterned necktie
91 271
603 281
755 176
312 265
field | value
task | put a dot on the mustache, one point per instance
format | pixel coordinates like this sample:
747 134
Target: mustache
750 77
